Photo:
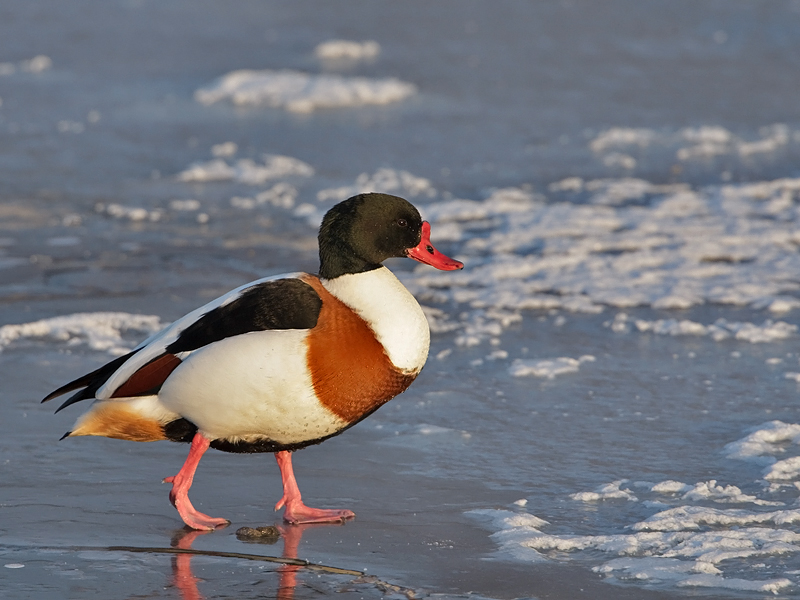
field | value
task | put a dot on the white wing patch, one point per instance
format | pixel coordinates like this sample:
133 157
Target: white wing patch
155 345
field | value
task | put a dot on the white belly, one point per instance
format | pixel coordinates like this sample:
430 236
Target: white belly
251 386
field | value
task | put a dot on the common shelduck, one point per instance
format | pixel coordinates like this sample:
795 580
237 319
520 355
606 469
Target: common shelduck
280 363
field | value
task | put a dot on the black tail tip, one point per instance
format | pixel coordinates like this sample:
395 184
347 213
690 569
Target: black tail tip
66 435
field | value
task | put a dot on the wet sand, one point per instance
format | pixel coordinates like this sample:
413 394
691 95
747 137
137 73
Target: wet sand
510 95
65 503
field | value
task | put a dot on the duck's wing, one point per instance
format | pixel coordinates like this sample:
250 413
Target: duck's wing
283 302
90 380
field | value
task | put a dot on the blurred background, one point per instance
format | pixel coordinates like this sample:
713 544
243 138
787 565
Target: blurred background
621 180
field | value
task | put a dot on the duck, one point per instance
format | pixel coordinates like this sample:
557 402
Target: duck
277 364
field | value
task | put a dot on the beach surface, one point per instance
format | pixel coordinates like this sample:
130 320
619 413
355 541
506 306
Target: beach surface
609 409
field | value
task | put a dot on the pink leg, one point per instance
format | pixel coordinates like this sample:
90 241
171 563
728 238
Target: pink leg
296 512
179 495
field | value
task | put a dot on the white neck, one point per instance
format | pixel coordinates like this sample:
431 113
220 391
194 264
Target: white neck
398 322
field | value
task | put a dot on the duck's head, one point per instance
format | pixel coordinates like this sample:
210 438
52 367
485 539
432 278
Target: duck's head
358 234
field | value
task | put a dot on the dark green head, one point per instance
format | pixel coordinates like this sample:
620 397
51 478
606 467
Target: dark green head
357 235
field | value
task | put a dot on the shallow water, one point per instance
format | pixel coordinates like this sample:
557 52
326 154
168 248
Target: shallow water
609 407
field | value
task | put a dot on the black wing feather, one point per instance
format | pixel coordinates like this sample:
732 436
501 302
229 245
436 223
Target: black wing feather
93 380
280 304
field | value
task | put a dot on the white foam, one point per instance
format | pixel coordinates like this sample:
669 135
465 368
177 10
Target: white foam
386 181
710 490
658 569
670 487
773 138
37 64
689 544
689 144
482 325
302 92
675 550
100 331
443 354
621 137
694 518
570 184
549 367
438 320
772 585
706 135
347 50
246 170
608 491
783 304
185 205
721 329
282 195
684 574
224 149
784 470
764 441
506 519
212 170
705 142
130 213
617 159
631 244
613 192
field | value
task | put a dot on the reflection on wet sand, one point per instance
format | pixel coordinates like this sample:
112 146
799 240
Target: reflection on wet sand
186 583
291 534
182 576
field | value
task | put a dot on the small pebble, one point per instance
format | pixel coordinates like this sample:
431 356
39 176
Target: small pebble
264 535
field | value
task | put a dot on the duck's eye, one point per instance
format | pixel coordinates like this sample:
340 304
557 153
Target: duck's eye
402 222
